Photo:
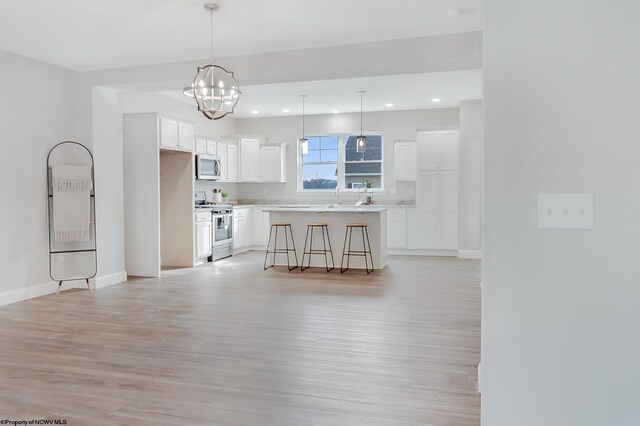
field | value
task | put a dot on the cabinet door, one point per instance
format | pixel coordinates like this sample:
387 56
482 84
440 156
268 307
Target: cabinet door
448 210
185 136
448 150
201 146
427 206
203 239
427 151
396 228
239 231
249 160
221 149
232 162
168 133
211 148
270 166
404 161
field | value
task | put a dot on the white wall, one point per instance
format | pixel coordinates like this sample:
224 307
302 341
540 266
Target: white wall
470 178
35 114
394 125
561 309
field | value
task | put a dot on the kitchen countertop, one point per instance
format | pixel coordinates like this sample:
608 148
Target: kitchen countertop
325 209
307 206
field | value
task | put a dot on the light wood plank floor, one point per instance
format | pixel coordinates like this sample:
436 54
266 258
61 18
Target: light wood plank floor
231 344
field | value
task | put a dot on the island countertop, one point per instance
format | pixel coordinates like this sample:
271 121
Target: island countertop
325 209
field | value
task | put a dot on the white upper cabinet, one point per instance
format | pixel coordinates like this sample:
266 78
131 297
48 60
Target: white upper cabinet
221 148
201 146
273 163
186 138
405 161
176 134
438 150
232 162
205 146
249 160
168 133
211 147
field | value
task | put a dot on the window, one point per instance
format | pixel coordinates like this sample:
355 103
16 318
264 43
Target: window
363 168
333 161
320 164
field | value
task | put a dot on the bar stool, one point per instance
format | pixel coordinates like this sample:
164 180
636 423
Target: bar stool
366 247
286 226
325 240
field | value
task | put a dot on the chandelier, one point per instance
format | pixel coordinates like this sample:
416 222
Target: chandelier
214 89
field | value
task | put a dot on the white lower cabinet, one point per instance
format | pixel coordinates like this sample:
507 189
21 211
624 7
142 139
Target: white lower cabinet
203 226
397 228
259 226
240 229
435 220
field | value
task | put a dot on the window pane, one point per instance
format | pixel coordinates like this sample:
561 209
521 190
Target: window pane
329 142
312 156
322 176
373 151
329 155
314 142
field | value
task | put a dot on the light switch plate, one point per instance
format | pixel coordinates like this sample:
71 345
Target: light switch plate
565 211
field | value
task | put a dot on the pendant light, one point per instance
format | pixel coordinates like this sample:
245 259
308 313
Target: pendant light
361 142
214 89
304 142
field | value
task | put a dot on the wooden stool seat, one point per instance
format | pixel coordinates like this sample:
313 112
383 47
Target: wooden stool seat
281 224
309 250
357 225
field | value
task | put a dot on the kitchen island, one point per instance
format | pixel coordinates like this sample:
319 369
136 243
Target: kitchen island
337 219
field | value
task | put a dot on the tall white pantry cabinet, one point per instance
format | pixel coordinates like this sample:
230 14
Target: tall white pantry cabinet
437 190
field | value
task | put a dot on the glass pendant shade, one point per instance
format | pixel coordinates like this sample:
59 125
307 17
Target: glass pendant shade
361 144
304 145
215 91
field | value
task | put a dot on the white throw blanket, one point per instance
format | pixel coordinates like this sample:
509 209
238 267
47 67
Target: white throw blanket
71 203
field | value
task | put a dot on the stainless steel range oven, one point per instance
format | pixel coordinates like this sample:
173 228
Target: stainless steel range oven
222 232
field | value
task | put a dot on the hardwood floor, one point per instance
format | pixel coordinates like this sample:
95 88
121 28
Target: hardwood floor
231 344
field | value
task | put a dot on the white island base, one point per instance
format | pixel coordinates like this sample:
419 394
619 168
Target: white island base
337 219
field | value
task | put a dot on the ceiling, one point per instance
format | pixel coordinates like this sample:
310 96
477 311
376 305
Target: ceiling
87 35
409 91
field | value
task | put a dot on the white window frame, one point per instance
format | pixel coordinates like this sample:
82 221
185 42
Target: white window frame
342 138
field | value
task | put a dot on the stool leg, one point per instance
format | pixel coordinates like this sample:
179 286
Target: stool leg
366 231
267 252
304 250
275 246
333 264
324 243
364 250
344 249
293 243
286 247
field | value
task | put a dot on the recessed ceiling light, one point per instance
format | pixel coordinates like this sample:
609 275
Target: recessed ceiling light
389 105
255 111
286 110
436 100
335 111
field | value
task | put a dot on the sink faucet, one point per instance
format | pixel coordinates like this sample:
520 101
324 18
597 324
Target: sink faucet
337 195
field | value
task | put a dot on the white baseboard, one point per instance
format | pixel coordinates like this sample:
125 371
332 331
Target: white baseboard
29 292
470 254
422 252
111 279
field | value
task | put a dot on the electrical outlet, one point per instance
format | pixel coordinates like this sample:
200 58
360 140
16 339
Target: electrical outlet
565 211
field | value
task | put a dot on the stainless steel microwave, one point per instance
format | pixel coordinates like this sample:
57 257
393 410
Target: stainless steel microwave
207 167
